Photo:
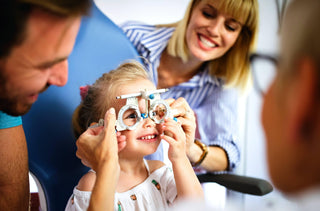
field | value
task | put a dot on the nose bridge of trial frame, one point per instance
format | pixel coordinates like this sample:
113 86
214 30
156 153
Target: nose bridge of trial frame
152 101
148 96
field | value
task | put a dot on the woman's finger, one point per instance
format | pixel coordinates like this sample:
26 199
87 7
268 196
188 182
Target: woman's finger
180 107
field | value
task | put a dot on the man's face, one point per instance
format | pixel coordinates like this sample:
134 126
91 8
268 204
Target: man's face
272 120
283 148
40 61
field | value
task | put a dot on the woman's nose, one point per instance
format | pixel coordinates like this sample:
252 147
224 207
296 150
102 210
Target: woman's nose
216 26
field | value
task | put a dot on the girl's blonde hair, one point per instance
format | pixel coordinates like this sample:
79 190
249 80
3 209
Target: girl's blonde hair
101 95
234 66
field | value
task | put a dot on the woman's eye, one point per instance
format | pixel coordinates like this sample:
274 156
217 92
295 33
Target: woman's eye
210 12
207 15
232 26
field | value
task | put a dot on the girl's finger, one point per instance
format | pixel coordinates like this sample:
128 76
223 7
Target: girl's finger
168 139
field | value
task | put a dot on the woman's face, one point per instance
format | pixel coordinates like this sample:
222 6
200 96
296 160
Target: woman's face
145 139
210 32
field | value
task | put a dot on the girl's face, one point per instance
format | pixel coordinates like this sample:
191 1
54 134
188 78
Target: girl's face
145 139
210 33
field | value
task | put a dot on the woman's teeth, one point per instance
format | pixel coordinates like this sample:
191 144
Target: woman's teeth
207 42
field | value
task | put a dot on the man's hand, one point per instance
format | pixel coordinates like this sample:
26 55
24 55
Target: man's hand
98 144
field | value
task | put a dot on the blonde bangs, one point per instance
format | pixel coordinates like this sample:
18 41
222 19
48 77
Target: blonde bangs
239 10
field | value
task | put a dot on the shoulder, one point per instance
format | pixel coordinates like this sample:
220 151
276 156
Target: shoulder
154 165
136 25
87 181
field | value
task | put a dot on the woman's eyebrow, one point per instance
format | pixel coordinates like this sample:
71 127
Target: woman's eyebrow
236 21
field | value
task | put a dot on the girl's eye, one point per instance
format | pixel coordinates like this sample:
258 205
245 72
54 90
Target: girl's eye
132 116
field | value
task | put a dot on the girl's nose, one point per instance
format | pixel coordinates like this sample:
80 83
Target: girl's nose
148 123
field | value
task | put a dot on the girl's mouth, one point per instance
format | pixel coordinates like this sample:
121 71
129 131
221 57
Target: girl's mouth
148 138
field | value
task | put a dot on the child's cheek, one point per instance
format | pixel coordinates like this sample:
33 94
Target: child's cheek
159 128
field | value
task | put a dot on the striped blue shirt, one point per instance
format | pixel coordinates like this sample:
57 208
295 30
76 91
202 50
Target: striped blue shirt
215 107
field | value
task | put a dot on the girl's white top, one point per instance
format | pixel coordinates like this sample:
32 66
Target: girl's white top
157 192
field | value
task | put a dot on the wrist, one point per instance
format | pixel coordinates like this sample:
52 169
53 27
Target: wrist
179 159
107 164
194 152
204 152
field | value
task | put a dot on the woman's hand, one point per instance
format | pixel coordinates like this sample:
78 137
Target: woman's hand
185 115
99 144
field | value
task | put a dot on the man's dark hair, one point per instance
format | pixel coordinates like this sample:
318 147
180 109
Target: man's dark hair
14 15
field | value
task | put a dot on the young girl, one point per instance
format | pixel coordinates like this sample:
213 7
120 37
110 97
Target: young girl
142 184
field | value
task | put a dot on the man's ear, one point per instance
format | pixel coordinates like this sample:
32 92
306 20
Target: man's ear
302 98
93 123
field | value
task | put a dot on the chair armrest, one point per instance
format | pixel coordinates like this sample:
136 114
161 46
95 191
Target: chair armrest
243 184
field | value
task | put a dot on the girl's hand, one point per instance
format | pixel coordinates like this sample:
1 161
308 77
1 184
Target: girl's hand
185 115
176 139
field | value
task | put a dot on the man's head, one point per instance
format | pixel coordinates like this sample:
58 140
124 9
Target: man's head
291 110
38 37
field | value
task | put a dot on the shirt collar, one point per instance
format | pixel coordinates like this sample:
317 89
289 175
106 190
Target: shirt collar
201 79
156 41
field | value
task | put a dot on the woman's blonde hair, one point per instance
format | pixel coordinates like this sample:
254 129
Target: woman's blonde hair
100 96
234 66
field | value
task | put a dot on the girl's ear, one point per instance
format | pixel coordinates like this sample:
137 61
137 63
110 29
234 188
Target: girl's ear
302 101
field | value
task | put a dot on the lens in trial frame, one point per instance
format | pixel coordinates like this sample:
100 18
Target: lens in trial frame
159 112
130 117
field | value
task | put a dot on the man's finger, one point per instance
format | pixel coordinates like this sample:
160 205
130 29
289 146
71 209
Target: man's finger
94 130
110 121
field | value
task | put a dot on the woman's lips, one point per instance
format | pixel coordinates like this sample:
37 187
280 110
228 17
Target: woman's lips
206 43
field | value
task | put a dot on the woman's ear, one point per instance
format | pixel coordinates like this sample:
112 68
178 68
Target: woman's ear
301 103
